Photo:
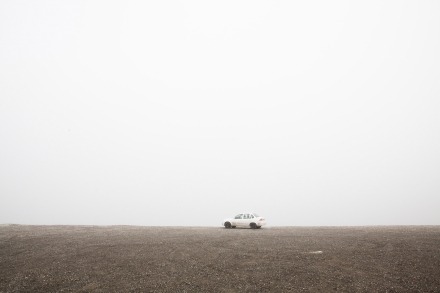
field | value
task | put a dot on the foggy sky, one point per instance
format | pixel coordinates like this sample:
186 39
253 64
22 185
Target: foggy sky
187 112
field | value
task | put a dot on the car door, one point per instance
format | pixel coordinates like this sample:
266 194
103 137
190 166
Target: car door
246 220
238 220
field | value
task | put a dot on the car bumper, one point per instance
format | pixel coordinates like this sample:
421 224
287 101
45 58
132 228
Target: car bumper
261 223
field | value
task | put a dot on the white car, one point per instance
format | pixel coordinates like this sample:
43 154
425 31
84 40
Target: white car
248 220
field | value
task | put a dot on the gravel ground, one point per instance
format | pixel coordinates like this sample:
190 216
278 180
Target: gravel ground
158 259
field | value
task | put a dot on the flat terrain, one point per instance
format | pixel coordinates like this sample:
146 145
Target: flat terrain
127 258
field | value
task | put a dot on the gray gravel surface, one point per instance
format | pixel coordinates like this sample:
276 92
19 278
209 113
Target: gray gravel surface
177 259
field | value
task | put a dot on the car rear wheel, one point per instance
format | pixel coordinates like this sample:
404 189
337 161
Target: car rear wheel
227 225
233 226
253 226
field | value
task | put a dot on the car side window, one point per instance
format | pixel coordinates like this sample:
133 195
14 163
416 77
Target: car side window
246 216
251 216
238 216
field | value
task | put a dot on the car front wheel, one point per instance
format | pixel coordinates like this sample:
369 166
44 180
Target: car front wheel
253 226
227 225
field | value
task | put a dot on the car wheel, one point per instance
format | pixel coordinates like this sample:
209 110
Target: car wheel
234 226
258 227
227 225
253 226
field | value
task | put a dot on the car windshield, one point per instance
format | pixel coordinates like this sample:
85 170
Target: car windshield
256 216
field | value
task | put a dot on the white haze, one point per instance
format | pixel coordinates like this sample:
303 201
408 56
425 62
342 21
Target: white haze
187 112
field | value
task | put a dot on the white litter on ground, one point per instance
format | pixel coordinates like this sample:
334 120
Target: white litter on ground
316 252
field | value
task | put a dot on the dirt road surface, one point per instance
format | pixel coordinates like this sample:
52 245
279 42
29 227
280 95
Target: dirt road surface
177 259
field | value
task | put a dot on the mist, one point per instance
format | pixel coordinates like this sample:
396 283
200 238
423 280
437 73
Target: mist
183 113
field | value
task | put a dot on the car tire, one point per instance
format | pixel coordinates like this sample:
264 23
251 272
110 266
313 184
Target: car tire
228 225
234 227
258 227
253 226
